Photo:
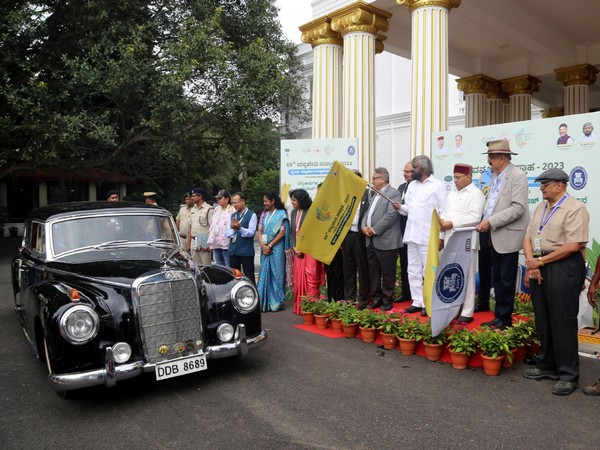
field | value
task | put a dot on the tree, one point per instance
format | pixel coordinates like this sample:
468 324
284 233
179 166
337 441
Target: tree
174 93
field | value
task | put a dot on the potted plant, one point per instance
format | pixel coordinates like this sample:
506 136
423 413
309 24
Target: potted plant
307 306
388 327
333 312
367 323
433 344
320 311
349 316
410 330
462 344
523 334
493 345
513 343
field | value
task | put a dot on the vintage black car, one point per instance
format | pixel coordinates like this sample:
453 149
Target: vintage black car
105 292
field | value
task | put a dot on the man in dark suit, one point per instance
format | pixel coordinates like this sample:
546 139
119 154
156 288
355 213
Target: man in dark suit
354 254
408 168
380 225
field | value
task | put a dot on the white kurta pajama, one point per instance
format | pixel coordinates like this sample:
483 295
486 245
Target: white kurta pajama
464 208
420 200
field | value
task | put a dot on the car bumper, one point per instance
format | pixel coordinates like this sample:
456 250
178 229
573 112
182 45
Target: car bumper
111 373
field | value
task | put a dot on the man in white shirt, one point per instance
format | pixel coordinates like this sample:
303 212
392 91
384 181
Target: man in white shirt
423 195
588 133
464 207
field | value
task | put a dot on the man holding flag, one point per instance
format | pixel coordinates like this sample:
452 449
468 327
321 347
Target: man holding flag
464 207
381 226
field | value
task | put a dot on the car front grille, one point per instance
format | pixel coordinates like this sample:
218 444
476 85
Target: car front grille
169 316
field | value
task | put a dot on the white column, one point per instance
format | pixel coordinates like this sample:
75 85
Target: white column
520 92
327 78
475 88
359 25
429 55
576 81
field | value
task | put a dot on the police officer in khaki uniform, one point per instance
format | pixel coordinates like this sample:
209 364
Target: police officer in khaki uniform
553 247
199 225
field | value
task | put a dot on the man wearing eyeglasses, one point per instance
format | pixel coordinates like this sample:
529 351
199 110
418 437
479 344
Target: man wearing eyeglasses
555 264
505 218
383 239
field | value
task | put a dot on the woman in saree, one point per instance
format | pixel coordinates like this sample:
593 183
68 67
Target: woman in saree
308 272
273 236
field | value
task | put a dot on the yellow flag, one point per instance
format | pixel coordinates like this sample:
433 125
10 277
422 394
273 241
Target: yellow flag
331 214
433 259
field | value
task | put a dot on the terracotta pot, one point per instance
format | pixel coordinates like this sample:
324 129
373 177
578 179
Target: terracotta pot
532 349
309 318
321 321
492 366
505 362
460 361
350 330
433 351
521 354
389 340
367 334
336 325
407 346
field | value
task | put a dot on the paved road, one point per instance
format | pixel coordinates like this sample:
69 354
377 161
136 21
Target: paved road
300 391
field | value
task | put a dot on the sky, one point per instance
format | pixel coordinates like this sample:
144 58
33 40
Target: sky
292 14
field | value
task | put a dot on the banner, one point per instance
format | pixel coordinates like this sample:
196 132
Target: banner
331 214
451 280
433 257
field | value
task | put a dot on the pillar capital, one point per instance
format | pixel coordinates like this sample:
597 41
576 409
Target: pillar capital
319 32
416 4
494 91
579 74
558 111
475 84
523 84
360 17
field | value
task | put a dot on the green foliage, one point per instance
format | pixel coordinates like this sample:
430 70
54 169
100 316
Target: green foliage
523 332
523 305
369 318
461 340
409 328
320 307
428 338
389 323
592 254
492 342
175 94
349 315
334 309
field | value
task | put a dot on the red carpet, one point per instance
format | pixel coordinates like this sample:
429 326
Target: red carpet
474 361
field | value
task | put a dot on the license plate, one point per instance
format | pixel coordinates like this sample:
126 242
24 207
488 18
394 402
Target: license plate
181 366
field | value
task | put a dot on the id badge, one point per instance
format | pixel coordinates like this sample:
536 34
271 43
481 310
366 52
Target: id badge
234 238
537 247
264 239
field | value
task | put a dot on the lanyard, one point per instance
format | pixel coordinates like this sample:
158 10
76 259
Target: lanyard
241 216
267 219
543 221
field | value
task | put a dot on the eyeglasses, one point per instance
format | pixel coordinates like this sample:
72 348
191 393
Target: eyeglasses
546 184
375 178
407 171
459 177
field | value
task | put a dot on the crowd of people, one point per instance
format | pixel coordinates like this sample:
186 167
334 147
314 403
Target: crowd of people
395 223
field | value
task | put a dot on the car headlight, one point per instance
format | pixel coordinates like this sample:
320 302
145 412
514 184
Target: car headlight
244 297
225 332
121 352
79 324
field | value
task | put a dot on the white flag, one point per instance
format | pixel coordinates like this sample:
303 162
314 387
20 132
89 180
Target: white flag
451 280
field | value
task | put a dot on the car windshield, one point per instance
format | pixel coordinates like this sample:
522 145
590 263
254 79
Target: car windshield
99 232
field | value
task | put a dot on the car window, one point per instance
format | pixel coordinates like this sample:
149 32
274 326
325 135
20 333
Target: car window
38 238
72 234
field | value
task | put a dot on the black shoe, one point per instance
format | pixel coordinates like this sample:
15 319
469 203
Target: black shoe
564 387
424 312
532 360
387 307
361 307
375 305
539 374
498 324
464 320
481 308
412 309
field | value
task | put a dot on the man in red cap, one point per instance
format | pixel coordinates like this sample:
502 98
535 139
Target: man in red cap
464 208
